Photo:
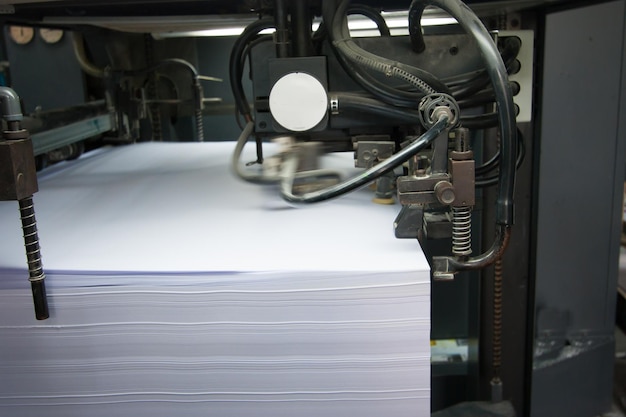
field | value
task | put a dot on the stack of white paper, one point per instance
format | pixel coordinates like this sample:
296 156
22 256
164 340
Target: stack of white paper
177 290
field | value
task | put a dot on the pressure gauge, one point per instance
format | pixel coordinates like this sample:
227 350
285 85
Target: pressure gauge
51 35
21 34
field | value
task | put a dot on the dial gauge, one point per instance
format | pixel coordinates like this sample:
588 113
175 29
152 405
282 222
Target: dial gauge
21 34
51 35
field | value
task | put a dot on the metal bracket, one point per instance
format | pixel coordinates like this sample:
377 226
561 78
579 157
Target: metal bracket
442 270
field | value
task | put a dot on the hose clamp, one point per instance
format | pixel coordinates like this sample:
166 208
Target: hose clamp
334 105
433 105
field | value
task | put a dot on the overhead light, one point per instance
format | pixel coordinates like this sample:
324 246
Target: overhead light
359 26
220 32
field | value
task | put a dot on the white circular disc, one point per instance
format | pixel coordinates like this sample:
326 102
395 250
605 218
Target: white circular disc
298 101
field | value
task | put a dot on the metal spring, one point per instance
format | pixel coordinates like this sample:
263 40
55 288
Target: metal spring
461 231
199 125
497 318
31 240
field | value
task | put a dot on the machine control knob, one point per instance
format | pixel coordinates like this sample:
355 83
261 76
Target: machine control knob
444 191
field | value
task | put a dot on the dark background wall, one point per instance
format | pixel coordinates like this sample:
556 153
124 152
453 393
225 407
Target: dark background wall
45 75
213 57
48 76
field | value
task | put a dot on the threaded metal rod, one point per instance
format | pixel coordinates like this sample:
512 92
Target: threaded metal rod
496 382
33 257
497 318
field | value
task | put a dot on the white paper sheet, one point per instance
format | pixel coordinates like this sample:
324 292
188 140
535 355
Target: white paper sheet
175 288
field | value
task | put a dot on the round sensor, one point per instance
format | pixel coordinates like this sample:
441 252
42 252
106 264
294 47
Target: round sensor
298 101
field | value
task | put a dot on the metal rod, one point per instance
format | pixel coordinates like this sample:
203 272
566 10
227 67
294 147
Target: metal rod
10 111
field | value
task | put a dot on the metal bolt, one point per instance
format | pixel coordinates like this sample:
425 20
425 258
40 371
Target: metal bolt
444 191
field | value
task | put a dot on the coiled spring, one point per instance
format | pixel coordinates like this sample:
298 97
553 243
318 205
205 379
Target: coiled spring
461 231
31 240
199 125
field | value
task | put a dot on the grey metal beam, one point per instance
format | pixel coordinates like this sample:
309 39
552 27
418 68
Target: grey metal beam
50 140
579 209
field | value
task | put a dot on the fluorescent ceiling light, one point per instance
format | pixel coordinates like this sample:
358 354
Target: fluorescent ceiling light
228 31
359 26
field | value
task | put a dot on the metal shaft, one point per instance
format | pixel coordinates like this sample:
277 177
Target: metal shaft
36 275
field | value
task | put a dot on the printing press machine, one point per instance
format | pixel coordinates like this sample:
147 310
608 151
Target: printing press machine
498 135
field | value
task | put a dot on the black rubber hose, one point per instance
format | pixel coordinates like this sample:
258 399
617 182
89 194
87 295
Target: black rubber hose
486 96
360 104
372 14
262 178
504 98
301 43
415 27
506 119
378 89
479 81
370 84
360 9
367 176
455 81
373 86
500 243
480 121
521 154
253 43
340 37
488 166
282 31
235 65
